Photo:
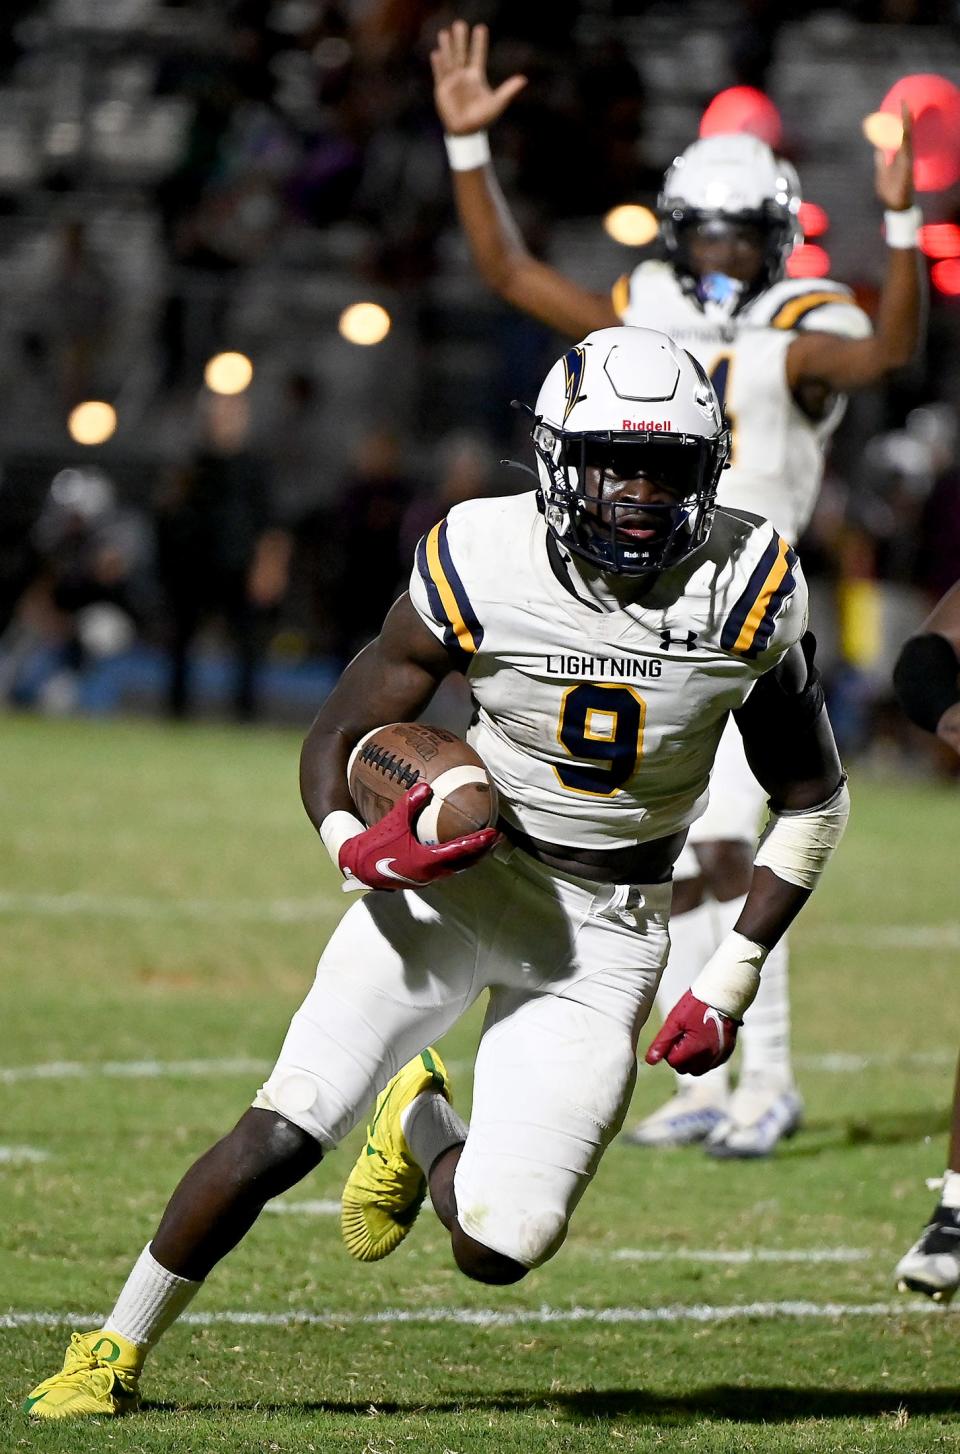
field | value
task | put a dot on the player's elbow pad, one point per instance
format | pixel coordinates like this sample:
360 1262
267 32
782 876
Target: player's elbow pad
796 846
925 679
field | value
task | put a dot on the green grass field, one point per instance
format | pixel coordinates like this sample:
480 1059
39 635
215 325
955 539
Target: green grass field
163 900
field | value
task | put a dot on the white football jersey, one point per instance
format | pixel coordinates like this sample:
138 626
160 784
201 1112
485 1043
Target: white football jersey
599 726
777 455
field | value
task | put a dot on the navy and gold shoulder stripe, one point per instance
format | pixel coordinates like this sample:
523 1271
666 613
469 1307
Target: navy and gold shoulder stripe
789 314
750 624
449 602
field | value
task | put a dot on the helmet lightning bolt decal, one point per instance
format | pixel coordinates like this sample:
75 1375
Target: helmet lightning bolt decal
573 365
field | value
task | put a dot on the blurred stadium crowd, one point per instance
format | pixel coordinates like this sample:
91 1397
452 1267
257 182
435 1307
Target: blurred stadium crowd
214 467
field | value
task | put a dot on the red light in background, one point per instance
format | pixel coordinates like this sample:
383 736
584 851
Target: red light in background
743 108
808 261
940 239
813 219
945 277
934 104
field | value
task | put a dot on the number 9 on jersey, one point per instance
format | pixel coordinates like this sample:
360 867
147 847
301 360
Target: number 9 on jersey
602 727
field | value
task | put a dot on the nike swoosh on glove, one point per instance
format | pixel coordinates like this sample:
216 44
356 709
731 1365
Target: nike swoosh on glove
694 1038
390 856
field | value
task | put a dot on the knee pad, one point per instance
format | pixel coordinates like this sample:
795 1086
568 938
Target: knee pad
301 1096
527 1235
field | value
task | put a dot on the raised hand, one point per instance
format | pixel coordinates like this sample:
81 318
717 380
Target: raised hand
465 100
894 178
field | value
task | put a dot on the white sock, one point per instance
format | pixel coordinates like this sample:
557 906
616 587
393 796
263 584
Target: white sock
765 1038
950 1195
151 1299
693 938
430 1127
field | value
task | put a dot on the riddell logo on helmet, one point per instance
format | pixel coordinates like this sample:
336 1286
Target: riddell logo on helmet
657 425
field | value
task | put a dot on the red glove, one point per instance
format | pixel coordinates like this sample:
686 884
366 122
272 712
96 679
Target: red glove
390 856
694 1038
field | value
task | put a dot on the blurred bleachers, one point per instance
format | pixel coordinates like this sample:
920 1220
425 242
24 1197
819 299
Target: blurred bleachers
179 179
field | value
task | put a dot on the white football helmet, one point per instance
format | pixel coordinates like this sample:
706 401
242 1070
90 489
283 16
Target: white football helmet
625 403
732 178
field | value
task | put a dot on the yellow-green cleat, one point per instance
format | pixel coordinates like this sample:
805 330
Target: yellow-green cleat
99 1377
385 1189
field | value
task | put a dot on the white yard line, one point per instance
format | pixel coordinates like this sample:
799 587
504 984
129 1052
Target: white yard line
885 936
846 1063
22 1155
310 910
124 906
511 1317
307 1208
840 1063
131 1069
740 1257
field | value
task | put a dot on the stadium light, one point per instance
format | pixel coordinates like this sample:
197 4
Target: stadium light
813 219
934 104
743 108
631 225
945 277
808 261
92 422
228 373
940 239
364 323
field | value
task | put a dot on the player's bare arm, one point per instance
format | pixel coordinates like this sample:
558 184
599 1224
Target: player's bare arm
927 674
842 364
944 619
467 105
391 680
791 749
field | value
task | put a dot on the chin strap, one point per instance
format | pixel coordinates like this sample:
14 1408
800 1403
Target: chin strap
515 464
526 409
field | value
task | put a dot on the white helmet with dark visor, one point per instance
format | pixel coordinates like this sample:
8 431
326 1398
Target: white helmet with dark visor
724 183
629 405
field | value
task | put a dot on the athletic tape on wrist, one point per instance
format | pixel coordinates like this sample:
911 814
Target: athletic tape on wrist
901 228
731 976
797 846
466 153
335 830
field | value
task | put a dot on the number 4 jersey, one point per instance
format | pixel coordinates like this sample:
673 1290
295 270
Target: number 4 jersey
600 723
777 451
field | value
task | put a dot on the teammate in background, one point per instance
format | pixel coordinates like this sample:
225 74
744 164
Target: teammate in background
780 353
614 556
927 683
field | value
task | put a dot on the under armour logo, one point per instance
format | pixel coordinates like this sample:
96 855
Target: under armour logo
666 640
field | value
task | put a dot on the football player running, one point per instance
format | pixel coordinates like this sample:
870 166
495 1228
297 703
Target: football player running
927 682
563 606
781 353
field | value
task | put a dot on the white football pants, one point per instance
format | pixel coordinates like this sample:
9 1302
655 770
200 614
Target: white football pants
572 969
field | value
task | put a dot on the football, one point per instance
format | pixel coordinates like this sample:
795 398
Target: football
390 759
